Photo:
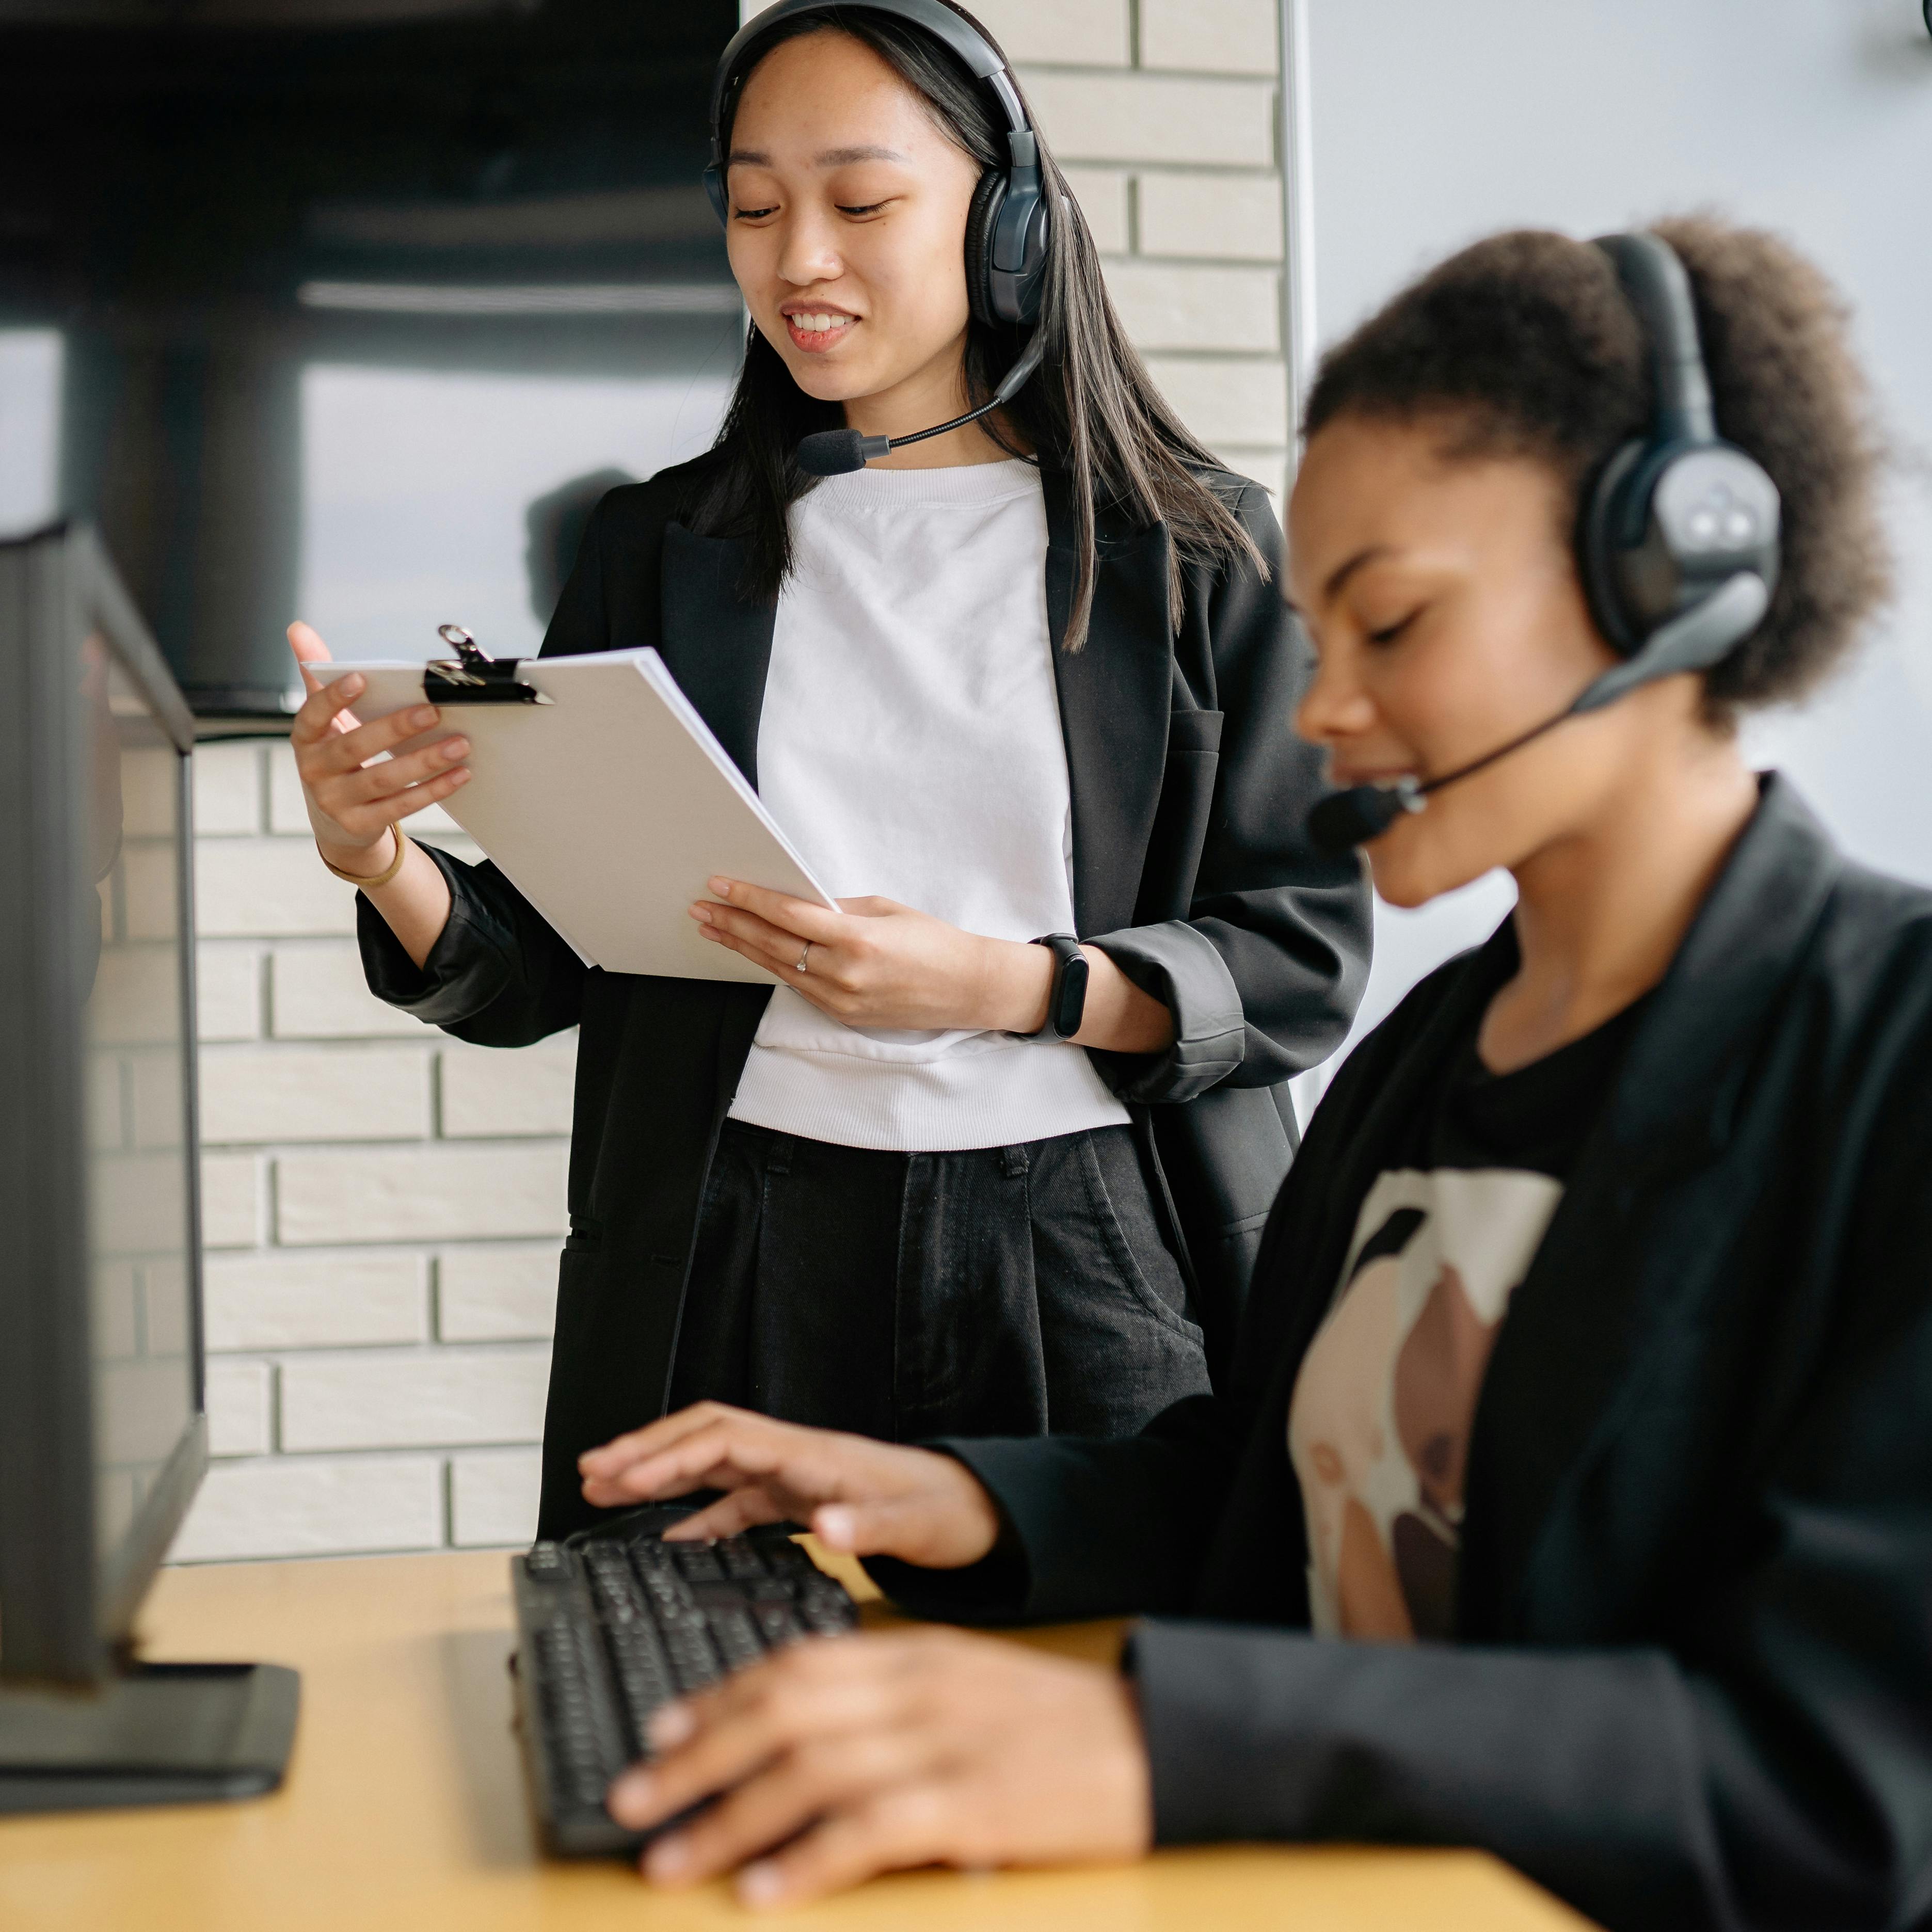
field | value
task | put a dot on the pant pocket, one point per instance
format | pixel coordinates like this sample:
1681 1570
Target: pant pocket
1127 1232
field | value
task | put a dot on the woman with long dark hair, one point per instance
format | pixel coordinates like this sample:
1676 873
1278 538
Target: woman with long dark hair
1573 1496
995 1145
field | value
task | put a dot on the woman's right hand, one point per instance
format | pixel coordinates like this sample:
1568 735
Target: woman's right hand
352 803
863 1497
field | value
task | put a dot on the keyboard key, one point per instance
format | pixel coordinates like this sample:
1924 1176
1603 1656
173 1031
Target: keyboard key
692 1658
740 1559
777 1624
736 1637
669 1593
645 1684
630 1623
827 1611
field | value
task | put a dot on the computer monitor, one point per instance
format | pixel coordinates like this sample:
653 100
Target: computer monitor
103 1436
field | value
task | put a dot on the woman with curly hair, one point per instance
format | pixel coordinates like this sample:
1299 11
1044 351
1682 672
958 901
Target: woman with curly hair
1573 1496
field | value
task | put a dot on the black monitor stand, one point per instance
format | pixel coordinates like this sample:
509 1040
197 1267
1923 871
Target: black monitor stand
160 1734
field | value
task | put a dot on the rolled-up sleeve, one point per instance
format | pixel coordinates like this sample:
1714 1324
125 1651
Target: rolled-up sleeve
1177 964
498 974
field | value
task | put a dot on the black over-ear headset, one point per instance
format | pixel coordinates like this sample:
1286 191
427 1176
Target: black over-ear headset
1006 229
1677 543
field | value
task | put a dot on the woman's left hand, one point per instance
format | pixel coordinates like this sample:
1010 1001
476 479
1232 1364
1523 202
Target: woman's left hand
874 963
864 1754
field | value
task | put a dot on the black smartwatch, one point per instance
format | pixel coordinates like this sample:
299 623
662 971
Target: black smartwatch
1066 1003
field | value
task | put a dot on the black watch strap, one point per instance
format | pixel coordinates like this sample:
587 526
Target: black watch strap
1066 1002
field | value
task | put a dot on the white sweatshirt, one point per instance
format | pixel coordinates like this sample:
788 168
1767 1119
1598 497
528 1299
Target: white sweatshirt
910 744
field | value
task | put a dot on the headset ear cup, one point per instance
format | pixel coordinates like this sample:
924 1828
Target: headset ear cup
1602 517
981 219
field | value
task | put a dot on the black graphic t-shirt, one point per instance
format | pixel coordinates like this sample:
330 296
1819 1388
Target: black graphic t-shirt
1378 1429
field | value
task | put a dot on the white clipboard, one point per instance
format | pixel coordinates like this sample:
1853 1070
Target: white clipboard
608 808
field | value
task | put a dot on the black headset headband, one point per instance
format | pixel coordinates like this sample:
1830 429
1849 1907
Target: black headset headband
1656 286
1006 229
983 60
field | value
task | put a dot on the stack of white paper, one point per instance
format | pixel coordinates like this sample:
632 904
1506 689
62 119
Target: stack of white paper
608 808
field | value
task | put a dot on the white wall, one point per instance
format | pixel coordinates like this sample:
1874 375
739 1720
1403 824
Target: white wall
1435 124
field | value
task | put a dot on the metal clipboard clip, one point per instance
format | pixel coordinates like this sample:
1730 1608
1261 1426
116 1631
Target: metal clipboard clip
473 677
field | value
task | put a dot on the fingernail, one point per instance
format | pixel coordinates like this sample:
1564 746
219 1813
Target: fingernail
424 715
352 684
667 1858
456 748
461 778
701 915
760 1884
722 887
671 1726
836 1527
629 1798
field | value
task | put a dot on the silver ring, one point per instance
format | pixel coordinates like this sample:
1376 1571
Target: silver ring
800 966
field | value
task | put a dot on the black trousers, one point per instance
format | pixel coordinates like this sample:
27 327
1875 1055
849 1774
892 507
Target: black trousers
1001 1291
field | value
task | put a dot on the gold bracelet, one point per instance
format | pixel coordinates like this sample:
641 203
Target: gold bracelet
382 877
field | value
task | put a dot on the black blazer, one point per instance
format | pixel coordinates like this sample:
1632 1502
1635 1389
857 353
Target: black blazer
1692 1684
1189 792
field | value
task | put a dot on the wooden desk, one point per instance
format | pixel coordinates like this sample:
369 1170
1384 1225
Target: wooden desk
404 1809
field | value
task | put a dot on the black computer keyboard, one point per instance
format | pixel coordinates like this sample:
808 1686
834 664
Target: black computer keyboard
613 1625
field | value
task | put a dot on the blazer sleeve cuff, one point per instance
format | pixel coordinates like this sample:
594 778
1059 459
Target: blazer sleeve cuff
468 967
1180 967
1089 1529
997 1589
993 1590
1218 1710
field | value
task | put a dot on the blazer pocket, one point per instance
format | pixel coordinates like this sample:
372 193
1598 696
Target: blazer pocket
1194 731
1182 819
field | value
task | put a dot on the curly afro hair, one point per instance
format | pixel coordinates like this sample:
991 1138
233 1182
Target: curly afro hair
1526 345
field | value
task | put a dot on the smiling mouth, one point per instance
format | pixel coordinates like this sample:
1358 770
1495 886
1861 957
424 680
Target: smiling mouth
818 329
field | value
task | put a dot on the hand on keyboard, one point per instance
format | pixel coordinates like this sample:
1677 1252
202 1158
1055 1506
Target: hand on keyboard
875 1753
864 1498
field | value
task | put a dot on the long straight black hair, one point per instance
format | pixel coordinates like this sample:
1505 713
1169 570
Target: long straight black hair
1091 409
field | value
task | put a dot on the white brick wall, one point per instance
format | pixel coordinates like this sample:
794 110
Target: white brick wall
506 1293
493 1495
1164 112
382 1204
382 1208
388 1398
316 1506
346 1300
